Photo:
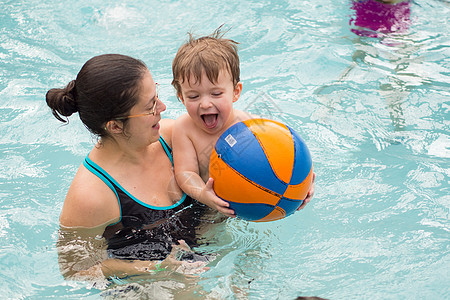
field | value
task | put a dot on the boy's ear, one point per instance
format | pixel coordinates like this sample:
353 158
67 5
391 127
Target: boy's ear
114 126
237 91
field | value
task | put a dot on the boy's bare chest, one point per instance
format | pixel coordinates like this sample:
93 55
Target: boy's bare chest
203 147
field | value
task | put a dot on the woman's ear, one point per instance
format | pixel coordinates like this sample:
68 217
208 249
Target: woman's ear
114 126
237 91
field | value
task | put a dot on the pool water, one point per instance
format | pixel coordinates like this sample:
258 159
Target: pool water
373 111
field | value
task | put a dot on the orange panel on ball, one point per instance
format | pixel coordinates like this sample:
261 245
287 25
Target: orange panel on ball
276 141
232 186
276 214
299 191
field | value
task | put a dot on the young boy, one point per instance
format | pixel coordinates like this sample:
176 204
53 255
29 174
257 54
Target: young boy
206 78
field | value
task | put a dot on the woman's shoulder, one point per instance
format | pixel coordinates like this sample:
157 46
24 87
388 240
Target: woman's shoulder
89 202
166 130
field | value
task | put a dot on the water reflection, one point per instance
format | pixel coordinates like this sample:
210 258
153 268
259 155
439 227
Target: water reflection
376 18
384 48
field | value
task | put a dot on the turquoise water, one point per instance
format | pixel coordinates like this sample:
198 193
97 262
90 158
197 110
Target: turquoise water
374 113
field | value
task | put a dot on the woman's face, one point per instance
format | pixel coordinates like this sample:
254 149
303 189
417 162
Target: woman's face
143 120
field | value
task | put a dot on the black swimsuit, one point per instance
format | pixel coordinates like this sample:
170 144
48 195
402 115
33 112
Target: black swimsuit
144 231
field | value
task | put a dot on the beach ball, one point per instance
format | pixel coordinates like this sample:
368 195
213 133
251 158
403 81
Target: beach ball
263 168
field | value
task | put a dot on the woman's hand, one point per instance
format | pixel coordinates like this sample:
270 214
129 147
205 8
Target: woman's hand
183 267
310 193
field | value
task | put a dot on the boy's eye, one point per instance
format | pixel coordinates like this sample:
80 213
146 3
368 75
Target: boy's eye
217 93
192 96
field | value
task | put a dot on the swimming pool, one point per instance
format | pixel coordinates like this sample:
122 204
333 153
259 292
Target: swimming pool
374 112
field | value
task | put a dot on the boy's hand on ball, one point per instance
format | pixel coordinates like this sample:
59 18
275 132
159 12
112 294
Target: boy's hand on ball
215 202
263 169
310 193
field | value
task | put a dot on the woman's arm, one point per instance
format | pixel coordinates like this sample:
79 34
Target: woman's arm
82 256
90 206
89 202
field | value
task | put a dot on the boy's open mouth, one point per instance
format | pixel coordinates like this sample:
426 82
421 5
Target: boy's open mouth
210 120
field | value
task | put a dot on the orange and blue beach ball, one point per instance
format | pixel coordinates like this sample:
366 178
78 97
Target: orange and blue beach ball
263 168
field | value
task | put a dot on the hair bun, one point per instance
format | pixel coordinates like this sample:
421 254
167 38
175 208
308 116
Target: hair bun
63 101
69 96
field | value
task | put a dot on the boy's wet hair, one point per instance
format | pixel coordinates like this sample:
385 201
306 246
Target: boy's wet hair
210 54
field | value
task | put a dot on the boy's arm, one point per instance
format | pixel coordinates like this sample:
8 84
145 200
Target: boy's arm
187 171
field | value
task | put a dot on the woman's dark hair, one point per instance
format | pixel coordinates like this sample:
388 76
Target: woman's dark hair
106 88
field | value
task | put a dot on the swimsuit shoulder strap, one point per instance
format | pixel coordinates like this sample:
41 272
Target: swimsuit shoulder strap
166 148
105 177
99 172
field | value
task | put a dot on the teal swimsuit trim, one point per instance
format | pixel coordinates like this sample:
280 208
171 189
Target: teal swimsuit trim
166 148
147 232
109 181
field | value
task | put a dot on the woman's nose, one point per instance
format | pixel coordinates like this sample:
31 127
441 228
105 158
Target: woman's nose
160 106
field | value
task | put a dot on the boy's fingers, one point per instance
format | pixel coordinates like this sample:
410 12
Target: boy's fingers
223 203
303 204
310 193
228 212
210 183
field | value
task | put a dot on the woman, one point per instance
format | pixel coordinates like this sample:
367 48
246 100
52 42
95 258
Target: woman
123 212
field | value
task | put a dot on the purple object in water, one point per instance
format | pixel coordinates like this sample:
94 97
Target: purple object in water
372 17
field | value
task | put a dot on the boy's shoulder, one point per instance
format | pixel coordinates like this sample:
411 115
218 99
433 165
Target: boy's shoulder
184 125
243 115
183 120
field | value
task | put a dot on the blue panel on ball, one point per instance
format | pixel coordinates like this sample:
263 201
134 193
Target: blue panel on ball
239 148
302 160
251 211
289 205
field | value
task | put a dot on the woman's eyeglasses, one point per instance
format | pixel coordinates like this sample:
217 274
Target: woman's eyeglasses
152 110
